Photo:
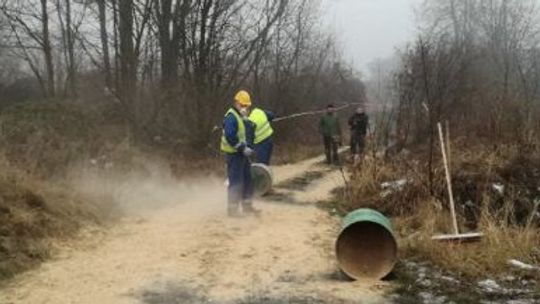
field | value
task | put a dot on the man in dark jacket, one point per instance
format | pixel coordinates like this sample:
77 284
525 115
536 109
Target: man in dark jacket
331 133
358 124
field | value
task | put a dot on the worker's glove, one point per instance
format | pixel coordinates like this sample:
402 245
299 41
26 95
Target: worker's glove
248 151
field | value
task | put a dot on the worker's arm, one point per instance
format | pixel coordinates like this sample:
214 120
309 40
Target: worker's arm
250 132
270 115
230 129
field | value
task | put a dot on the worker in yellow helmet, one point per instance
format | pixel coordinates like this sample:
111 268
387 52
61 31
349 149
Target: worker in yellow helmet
235 145
262 142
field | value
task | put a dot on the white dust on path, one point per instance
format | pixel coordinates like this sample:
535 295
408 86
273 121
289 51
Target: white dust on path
191 250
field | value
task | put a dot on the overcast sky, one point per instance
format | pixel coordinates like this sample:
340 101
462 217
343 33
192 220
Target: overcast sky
370 29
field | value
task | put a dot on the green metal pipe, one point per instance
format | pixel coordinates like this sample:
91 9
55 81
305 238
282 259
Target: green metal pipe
366 247
262 178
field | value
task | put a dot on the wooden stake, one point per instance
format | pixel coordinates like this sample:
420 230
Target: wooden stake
448 180
448 150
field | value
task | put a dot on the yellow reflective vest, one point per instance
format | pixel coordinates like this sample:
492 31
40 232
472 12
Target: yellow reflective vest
263 129
241 133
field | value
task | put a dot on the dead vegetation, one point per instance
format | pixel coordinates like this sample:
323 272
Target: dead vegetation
496 192
36 143
32 212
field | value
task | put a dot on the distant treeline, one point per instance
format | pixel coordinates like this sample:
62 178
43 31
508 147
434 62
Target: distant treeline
170 67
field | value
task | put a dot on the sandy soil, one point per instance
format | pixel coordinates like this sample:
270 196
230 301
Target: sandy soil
190 252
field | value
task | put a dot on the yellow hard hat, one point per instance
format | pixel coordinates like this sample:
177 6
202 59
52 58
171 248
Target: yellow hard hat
243 98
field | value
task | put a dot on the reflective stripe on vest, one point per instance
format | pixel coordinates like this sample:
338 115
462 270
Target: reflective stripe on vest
241 133
263 129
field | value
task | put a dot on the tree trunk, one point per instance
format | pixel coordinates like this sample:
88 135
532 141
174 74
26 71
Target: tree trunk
116 45
128 75
72 75
47 50
104 43
169 45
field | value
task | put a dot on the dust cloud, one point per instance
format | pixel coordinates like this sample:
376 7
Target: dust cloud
149 188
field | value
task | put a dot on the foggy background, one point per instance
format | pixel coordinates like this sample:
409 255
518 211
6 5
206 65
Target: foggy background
371 29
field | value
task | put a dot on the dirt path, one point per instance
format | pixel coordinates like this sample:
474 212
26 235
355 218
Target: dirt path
192 253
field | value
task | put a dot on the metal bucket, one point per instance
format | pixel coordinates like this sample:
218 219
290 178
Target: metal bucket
366 247
262 179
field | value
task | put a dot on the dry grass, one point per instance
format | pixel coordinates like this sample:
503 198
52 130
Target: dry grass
488 257
32 212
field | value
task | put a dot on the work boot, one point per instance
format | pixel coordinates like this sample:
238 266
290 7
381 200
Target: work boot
232 211
356 159
248 209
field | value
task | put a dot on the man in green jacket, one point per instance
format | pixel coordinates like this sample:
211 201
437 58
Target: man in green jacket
331 132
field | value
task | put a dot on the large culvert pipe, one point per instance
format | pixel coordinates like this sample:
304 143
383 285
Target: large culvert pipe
366 247
262 178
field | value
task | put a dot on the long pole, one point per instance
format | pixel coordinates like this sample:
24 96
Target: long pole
448 180
296 115
448 149
315 112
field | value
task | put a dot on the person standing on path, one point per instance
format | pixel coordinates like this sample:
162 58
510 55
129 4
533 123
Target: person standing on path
263 142
358 123
234 143
331 132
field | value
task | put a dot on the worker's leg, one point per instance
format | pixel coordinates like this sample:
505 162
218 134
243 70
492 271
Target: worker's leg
270 150
353 147
327 140
247 191
361 144
235 175
353 144
263 151
335 156
358 148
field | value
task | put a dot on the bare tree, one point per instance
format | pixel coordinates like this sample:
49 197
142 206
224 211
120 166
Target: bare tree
68 44
474 71
104 37
30 32
127 56
47 49
172 66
